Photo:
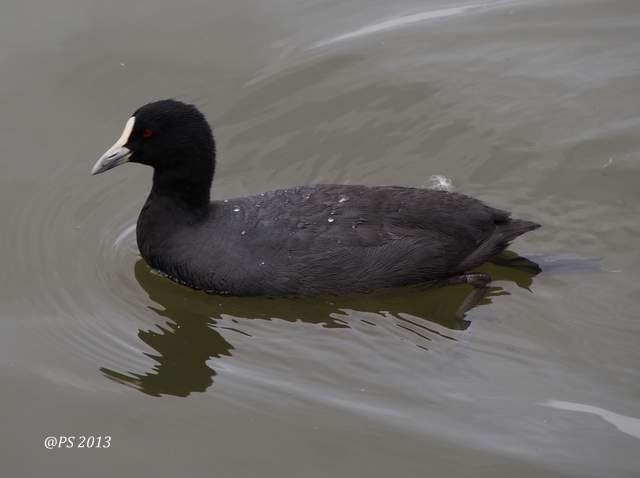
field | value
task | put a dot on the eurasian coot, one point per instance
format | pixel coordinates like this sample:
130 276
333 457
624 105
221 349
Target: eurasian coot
317 239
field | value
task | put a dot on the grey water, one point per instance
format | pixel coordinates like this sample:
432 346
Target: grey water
532 106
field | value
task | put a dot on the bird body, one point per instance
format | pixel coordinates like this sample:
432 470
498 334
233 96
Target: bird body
307 240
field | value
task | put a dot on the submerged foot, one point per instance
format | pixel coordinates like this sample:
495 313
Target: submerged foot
476 279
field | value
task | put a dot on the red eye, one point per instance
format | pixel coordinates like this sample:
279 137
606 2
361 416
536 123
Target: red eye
147 133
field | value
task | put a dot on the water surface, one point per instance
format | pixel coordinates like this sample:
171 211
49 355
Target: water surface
529 105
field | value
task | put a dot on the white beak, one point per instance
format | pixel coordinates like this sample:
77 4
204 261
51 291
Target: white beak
116 154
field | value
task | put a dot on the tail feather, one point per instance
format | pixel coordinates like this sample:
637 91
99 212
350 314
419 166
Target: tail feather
513 228
505 232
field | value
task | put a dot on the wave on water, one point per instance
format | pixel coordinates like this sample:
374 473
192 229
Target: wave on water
406 20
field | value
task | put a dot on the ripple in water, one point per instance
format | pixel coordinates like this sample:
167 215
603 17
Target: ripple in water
407 20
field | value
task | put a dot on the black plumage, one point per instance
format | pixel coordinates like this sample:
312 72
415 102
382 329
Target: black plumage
305 240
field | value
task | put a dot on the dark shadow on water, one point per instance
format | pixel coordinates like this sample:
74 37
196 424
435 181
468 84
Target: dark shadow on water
190 336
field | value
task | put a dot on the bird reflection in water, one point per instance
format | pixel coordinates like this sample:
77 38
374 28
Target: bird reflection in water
190 336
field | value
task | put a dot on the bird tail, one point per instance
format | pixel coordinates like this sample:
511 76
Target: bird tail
505 232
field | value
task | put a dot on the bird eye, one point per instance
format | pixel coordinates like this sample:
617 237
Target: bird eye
147 133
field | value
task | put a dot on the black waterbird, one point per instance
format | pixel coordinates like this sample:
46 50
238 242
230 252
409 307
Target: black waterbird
307 240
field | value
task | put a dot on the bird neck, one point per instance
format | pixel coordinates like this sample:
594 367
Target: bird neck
188 191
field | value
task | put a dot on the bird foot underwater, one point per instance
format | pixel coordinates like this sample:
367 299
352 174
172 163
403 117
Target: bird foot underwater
476 279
